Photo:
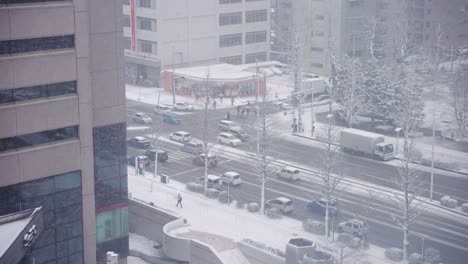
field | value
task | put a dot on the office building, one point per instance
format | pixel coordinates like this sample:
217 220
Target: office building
160 34
62 125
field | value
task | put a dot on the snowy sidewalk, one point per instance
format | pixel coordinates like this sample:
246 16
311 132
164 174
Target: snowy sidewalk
209 216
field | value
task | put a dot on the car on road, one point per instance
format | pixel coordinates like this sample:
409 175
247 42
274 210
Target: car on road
162 108
170 118
213 181
319 206
289 173
355 227
139 142
228 139
180 136
284 205
194 147
183 106
162 155
225 125
322 99
231 178
141 158
142 118
199 160
240 133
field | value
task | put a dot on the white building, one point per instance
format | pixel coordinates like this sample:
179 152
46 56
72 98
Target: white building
159 33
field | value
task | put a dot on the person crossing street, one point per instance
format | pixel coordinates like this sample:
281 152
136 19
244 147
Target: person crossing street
179 200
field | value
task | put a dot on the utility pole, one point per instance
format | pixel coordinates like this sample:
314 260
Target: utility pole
312 112
258 106
173 76
157 125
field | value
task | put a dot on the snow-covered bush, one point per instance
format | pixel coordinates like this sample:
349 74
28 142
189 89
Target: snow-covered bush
313 226
273 213
464 207
415 258
240 204
212 193
253 207
447 201
224 198
264 247
194 187
394 254
349 240
432 256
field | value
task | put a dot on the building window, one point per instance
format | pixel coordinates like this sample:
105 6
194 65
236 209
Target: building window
127 43
146 23
126 2
230 40
236 60
256 16
126 20
230 19
319 33
316 49
355 3
253 0
111 224
319 17
37 92
316 65
229 1
36 44
38 138
255 37
255 57
147 46
147 3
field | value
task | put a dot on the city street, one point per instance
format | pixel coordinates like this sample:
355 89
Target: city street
446 232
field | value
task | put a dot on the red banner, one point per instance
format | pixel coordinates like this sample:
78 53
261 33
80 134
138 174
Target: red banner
132 24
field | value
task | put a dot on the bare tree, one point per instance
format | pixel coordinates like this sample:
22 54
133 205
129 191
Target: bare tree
206 147
457 100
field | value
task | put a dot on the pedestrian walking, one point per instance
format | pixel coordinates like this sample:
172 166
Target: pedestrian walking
214 104
232 104
179 200
238 109
221 98
228 116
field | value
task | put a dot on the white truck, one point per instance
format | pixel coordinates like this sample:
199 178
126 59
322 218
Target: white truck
365 143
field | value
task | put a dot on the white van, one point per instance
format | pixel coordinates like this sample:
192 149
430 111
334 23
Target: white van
226 125
180 136
289 173
231 178
212 182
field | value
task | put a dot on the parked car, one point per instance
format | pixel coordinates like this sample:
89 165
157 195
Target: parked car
355 227
199 160
284 205
183 106
162 155
238 132
163 108
144 158
139 142
142 118
213 181
322 99
318 206
231 178
225 125
171 118
180 136
229 139
193 147
289 173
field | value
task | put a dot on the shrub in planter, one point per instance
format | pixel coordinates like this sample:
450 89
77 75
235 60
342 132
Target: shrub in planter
452 203
313 226
253 207
195 187
224 198
212 193
394 254
432 256
273 213
240 204
415 258
349 240
464 207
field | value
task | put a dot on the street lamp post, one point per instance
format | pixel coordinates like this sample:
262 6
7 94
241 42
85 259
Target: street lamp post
173 80
397 130
312 112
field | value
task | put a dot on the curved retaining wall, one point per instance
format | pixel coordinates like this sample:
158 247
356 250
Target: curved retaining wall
176 247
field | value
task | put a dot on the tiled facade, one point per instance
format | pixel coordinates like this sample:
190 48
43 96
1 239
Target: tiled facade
61 82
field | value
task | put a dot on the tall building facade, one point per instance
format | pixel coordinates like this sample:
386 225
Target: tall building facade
62 125
162 33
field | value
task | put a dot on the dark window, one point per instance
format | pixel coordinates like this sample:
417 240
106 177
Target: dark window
148 46
36 44
145 23
256 16
6 96
38 138
126 2
127 43
230 19
26 1
230 40
38 91
255 57
255 37
229 1
147 3
126 21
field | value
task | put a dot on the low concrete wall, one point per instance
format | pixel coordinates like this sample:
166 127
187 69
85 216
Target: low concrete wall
152 223
259 256
173 246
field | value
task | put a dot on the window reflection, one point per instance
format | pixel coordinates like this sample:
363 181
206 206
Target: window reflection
37 92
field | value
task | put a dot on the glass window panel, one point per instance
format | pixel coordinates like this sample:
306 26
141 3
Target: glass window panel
46 238
7 144
124 211
67 181
44 254
6 96
108 172
36 188
4 47
68 198
68 214
69 230
75 245
108 225
76 258
106 199
62 249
